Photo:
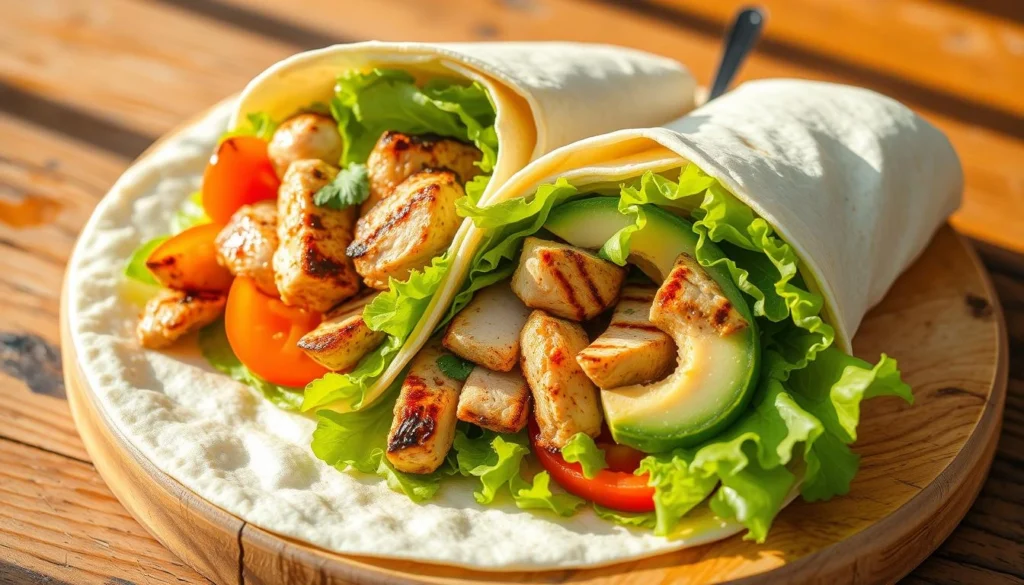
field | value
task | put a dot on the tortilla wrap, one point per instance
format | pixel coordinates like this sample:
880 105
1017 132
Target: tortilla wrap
545 94
236 450
856 182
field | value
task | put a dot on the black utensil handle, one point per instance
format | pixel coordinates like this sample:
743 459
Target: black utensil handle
742 37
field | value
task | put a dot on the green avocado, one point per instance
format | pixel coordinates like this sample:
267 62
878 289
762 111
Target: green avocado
716 374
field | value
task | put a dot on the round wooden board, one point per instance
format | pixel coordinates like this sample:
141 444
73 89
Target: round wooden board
922 466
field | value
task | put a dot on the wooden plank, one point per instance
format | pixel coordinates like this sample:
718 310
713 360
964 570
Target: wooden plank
59 521
943 47
51 185
995 179
146 66
130 41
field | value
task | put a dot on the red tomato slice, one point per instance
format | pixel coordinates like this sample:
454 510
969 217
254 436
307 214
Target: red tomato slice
263 332
615 487
239 173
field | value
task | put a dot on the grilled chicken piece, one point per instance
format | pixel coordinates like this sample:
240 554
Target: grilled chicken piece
173 313
407 229
343 339
498 401
631 350
397 156
304 137
310 267
486 331
247 243
424 426
565 400
565 281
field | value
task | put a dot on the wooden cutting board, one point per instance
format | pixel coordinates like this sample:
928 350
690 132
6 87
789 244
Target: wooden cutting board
921 468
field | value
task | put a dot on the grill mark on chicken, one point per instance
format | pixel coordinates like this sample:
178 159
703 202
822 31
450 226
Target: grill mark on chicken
564 284
639 326
426 194
314 221
417 416
721 314
577 259
329 341
318 265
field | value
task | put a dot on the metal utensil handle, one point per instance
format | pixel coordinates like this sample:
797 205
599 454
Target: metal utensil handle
742 37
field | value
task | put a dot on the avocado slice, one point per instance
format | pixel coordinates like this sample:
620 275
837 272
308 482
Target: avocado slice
717 372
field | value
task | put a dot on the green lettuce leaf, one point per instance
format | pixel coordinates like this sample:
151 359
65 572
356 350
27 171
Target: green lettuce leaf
510 223
678 488
368 104
582 449
357 440
806 407
629 519
136 268
259 125
190 214
213 343
538 496
395 312
350 187
492 457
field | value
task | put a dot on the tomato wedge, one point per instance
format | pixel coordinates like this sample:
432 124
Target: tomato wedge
238 174
263 332
615 487
188 261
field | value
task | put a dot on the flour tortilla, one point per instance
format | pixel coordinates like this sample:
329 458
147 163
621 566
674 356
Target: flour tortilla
225 442
856 182
546 95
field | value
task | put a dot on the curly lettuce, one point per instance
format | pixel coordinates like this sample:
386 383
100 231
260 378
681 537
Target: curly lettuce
795 434
365 106
368 104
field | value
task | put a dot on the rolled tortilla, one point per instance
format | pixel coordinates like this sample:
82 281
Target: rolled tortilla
546 95
856 182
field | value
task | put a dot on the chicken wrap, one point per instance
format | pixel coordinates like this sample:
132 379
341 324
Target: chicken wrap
333 192
657 323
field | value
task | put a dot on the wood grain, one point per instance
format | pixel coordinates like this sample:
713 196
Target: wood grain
192 52
59 520
921 466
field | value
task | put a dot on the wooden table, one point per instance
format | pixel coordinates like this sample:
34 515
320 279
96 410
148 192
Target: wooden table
86 85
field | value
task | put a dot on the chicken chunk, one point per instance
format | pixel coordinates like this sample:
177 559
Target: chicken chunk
304 137
247 243
631 350
498 401
343 339
310 267
486 331
408 229
565 400
172 313
397 156
424 425
565 281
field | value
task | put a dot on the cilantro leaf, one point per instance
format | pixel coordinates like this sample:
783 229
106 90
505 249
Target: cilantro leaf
455 367
350 187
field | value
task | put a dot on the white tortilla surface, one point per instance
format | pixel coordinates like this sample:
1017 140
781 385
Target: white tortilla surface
227 444
546 95
856 182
